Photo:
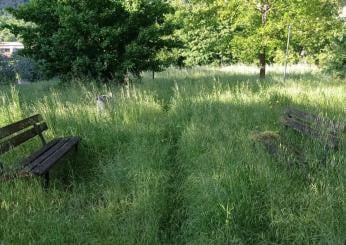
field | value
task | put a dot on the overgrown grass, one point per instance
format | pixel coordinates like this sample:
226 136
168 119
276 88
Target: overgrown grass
175 163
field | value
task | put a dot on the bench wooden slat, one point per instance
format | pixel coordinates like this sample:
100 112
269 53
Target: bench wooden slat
32 163
38 153
300 114
20 125
44 166
314 120
22 137
328 138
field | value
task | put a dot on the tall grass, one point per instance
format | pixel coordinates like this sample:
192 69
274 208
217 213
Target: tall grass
175 163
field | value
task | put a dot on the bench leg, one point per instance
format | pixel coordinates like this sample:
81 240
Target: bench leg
46 180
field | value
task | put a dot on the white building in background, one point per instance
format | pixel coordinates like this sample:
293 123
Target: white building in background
9 48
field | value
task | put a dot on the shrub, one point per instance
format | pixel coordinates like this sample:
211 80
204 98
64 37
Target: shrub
7 73
101 39
27 69
333 61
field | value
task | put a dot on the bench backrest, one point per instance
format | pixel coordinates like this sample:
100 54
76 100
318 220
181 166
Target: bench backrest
19 132
324 130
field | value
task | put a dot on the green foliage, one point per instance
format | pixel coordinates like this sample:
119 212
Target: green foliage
19 67
279 57
5 33
204 31
216 31
7 72
27 69
102 39
81 38
314 26
333 60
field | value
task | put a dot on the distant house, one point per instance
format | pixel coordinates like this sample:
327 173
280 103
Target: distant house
9 48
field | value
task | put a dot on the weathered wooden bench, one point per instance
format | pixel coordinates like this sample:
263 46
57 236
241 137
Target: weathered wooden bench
40 162
324 130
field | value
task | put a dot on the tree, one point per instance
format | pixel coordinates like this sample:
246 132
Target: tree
102 39
7 72
204 31
263 23
333 60
255 31
5 33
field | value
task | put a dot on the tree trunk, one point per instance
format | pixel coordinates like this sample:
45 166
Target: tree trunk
264 9
262 61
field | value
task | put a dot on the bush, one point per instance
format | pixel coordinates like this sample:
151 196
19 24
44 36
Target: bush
27 69
280 57
19 67
7 72
333 61
100 39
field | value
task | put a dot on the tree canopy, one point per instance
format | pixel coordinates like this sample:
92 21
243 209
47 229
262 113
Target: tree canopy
5 33
245 31
107 38
102 39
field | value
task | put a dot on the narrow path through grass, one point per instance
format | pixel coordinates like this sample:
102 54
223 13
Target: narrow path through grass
173 214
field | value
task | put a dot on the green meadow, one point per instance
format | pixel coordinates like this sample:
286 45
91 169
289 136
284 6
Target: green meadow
175 162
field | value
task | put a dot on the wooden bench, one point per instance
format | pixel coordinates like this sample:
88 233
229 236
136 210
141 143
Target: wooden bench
324 130
40 162
327 132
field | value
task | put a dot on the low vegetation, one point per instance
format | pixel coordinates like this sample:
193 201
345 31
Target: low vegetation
175 163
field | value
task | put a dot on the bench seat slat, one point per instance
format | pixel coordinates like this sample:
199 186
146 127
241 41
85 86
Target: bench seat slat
44 166
20 125
44 154
21 138
26 162
328 138
302 115
314 120
48 158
